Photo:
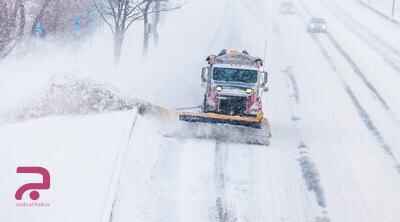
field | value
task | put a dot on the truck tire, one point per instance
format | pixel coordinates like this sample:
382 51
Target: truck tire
205 108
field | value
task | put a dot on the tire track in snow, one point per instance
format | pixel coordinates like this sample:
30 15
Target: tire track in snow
362 112
223 213
395 65
305 8
352 25
293 84
379 13
310 172
357 70
349 19
308 167
237 183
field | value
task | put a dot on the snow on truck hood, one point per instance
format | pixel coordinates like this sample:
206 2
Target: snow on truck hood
236 66
240 85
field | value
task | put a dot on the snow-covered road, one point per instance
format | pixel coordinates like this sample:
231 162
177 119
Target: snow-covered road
333 105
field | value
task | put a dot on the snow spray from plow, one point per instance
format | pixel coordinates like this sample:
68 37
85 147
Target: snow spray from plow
173 127
221 132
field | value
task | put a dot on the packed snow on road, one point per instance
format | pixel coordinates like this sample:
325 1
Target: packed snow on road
202 110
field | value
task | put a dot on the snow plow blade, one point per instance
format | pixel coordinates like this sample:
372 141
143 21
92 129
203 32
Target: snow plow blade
220 118
223 128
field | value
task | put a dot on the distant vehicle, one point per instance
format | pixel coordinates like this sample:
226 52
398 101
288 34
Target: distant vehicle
317 25
287 8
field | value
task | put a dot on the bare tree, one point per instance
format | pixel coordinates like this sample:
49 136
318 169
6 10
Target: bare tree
12 25
119 15
156 21
146 26
154 8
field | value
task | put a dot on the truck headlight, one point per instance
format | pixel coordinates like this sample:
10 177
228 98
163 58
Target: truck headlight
219 88
249 91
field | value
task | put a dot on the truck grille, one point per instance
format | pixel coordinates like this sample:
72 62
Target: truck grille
232 105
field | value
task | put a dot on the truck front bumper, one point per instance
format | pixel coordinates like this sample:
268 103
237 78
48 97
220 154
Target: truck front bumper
251 121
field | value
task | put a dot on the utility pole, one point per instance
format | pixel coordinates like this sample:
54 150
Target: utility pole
393 8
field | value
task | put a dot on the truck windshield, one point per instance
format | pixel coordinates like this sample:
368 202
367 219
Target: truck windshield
235 75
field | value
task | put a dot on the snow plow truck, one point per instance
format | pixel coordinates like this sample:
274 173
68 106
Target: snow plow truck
232 108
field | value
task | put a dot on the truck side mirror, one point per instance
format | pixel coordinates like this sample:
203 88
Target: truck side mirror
204 74
265 78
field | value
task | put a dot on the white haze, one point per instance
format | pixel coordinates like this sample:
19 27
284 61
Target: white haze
329 159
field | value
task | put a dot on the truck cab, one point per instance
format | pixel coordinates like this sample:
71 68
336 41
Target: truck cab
234 83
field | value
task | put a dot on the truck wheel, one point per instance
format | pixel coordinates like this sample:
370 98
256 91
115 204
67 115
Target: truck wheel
205 105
